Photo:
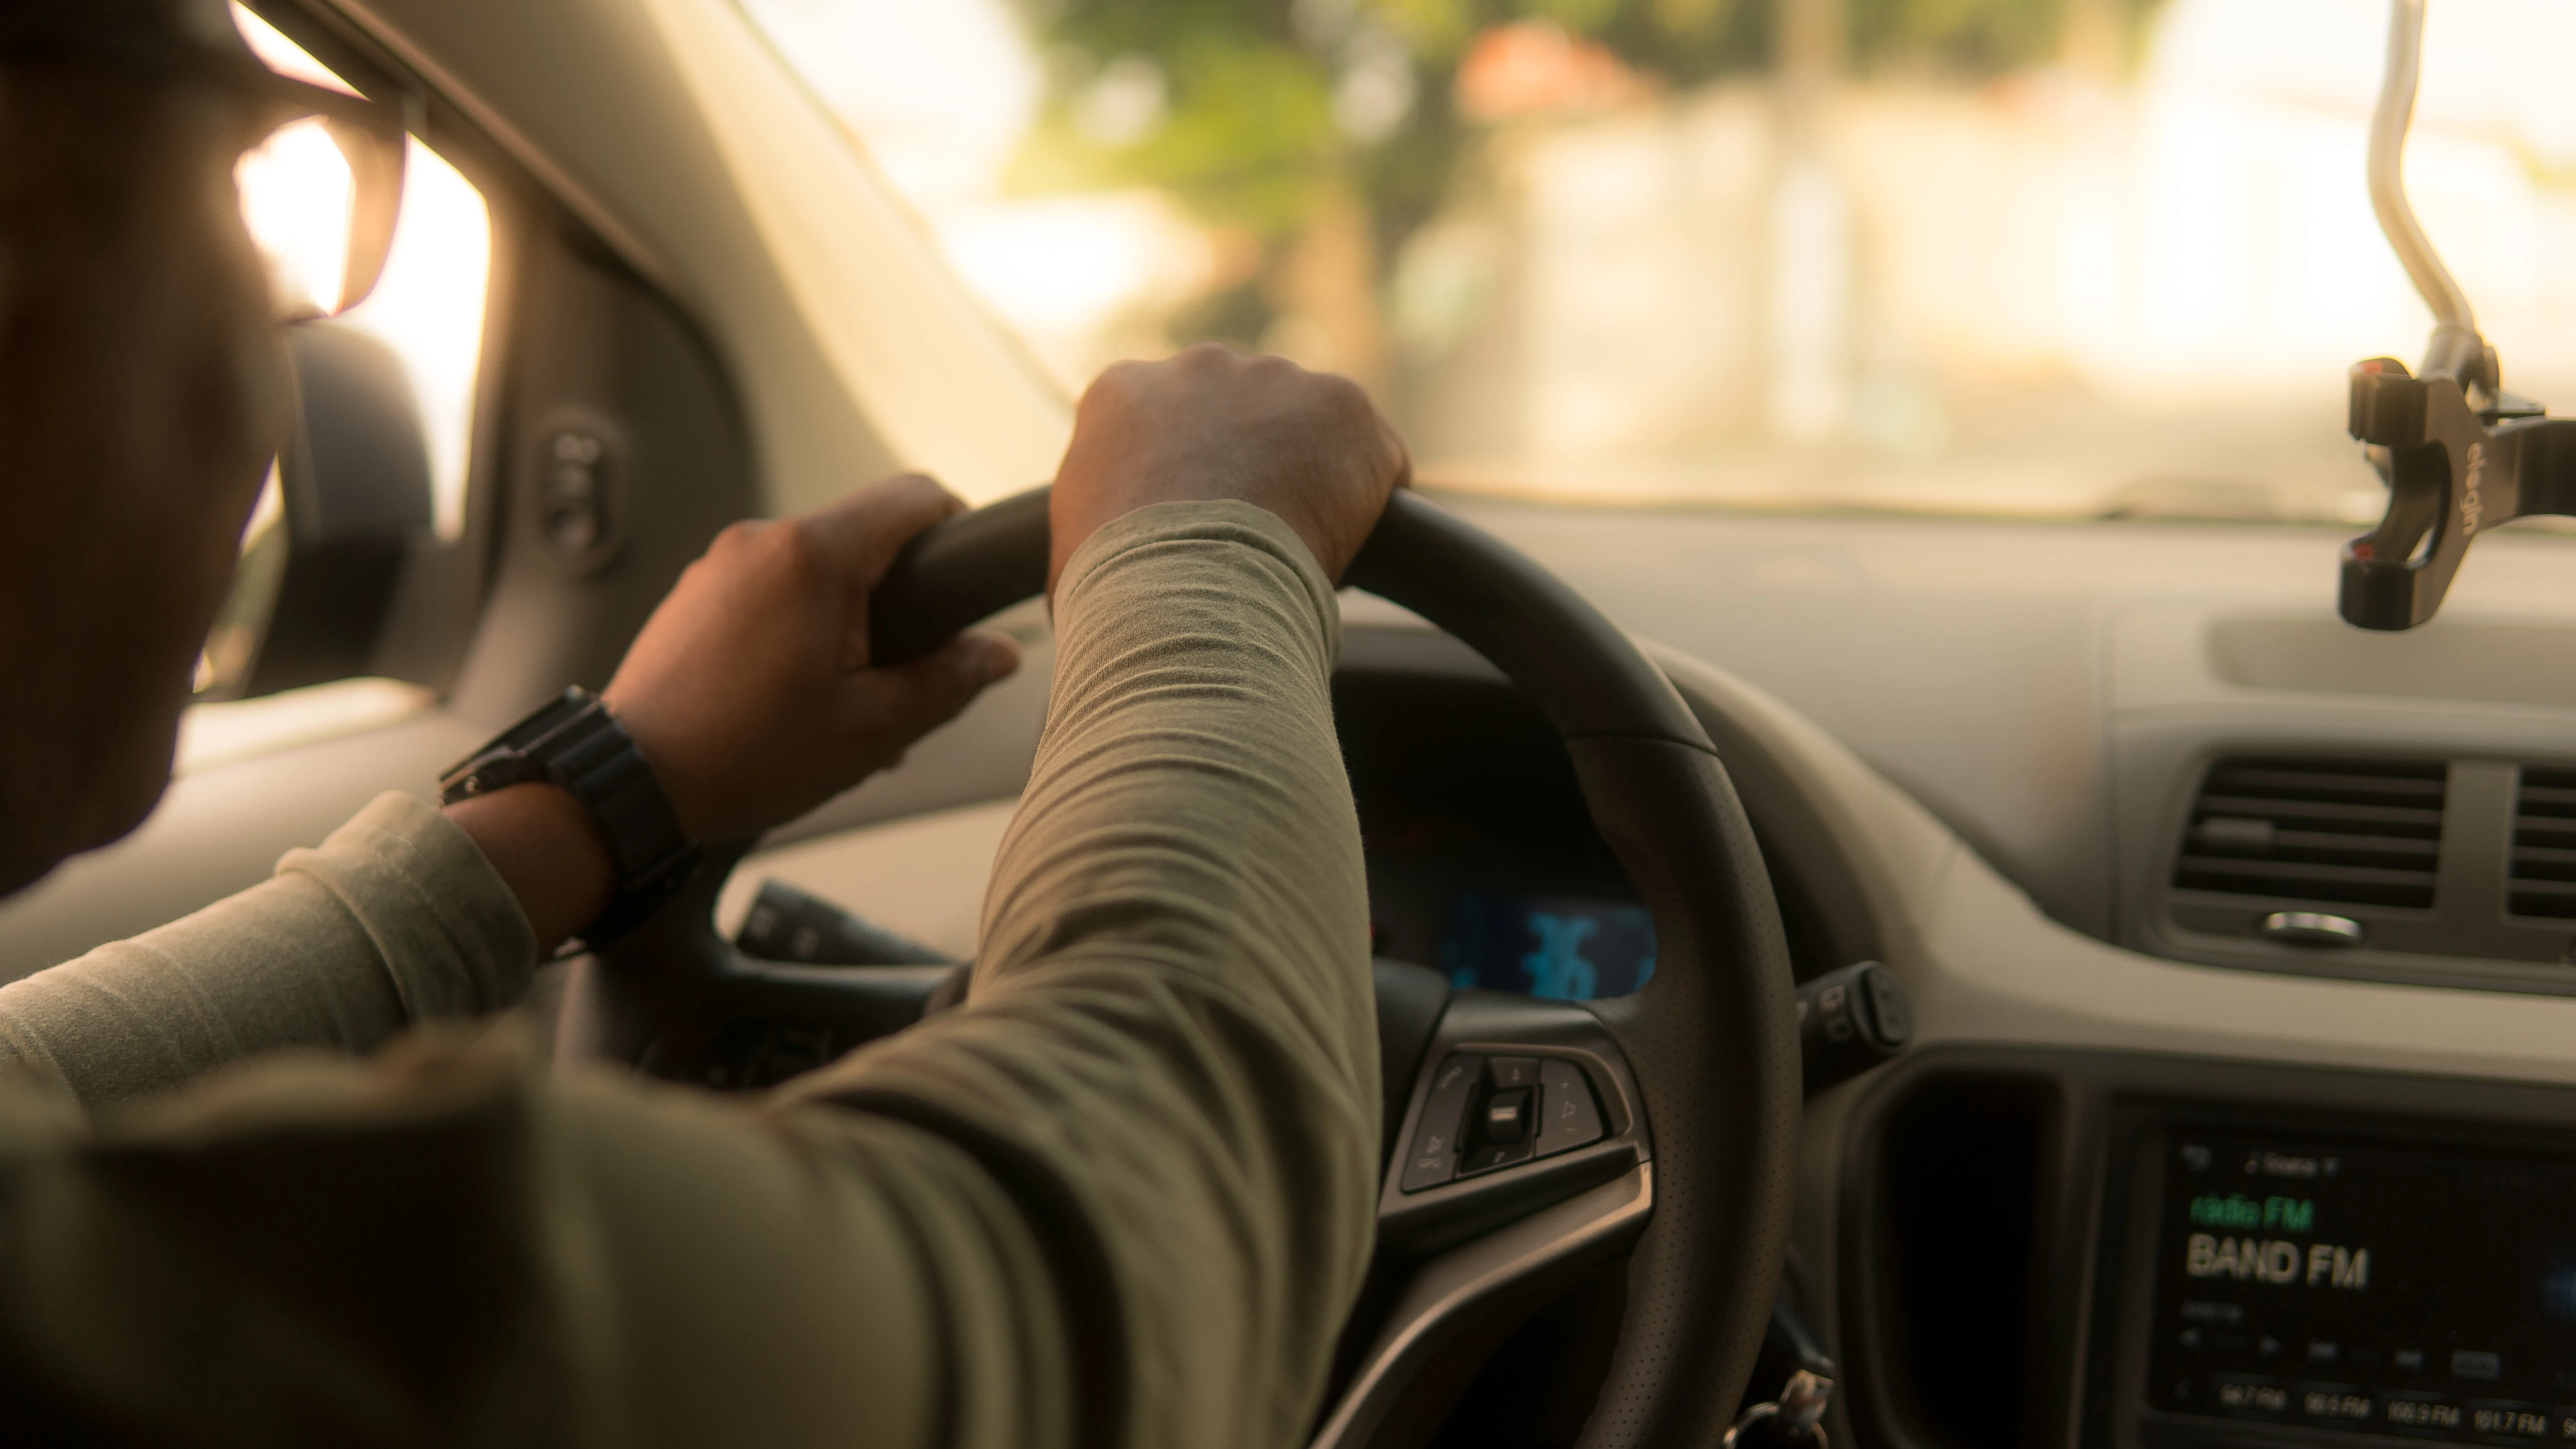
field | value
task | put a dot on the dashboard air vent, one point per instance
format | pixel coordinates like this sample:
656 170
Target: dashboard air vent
2544 844
2341 832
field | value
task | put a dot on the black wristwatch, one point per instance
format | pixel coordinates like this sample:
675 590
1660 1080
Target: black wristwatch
576 744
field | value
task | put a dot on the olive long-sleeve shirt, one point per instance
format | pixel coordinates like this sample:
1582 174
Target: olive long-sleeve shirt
1123 1195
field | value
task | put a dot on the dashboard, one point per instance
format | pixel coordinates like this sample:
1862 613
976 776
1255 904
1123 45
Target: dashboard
1978 753
1987 755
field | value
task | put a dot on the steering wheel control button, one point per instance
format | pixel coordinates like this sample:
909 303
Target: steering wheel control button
1513 1072
1493 1155
1568 1117
1433 1158
1507 1115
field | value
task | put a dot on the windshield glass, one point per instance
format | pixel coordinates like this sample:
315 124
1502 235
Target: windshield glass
2070 258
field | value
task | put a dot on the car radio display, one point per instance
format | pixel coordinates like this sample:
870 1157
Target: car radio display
2336 1284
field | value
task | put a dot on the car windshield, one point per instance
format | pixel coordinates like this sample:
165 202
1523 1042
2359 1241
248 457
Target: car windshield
2055 258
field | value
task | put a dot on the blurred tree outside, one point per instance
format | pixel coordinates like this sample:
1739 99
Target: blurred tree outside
1314 137
2087 258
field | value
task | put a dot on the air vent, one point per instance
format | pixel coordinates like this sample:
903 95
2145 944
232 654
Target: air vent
2323 831
2544 845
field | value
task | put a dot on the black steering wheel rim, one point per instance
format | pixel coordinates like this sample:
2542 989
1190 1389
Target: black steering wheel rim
1711 1039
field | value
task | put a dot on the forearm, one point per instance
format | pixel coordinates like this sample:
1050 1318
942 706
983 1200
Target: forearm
1128 1186
396 919
1168 1052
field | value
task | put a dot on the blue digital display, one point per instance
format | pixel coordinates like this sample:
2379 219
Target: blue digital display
1566 948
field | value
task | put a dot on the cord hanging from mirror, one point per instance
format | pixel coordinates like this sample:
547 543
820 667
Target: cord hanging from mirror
2457 452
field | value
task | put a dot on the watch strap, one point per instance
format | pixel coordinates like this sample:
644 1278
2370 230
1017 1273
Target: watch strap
574 743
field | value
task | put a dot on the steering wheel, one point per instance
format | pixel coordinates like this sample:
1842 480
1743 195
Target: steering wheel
1663 1123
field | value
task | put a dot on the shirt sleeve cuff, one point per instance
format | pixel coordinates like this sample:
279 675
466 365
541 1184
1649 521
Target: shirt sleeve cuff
449 931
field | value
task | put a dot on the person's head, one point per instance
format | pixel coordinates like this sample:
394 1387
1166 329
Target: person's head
143 390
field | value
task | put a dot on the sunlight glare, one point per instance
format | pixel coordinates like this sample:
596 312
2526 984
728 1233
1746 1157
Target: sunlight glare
428 307
284 56
295 198
941 94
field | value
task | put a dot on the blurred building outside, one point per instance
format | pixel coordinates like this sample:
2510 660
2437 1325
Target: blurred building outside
2081 288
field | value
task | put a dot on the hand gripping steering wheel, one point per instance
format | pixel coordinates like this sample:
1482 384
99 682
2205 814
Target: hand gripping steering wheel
1684 1097
1706 1055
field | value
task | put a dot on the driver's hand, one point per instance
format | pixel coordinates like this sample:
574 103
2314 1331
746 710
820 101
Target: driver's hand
749 690
1214 423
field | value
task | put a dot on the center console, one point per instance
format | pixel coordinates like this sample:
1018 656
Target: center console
2138 1253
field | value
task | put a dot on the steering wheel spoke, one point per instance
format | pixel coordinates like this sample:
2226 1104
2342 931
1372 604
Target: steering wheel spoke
1522 1161
1452 1299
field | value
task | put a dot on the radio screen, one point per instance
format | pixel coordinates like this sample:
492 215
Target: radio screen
2373 1289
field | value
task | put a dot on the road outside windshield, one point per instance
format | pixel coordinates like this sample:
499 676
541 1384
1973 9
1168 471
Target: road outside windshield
2057 258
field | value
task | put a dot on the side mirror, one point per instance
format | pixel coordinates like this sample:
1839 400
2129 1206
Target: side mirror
317 584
